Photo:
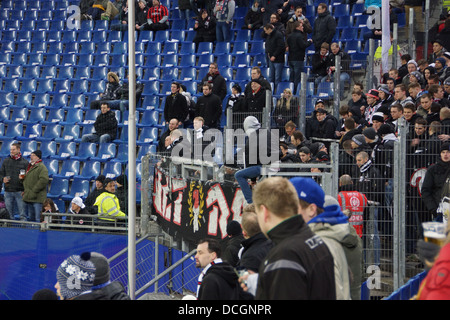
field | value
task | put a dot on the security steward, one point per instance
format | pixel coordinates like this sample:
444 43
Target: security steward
108 204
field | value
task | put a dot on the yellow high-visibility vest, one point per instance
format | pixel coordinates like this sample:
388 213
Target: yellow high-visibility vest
108 206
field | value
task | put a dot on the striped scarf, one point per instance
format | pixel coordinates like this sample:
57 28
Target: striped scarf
202 274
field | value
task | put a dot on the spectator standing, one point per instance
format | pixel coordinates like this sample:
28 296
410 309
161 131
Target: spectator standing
286 109
296 46
209 107
324 27
105 126
311 271
233 243
320 62
218 280
157 17
218 82
9 174
256 100
175 106
184 8
173 124
275 20
205 28
298 16
345 66
417 6
78 268
373 104
255 246
275 52
35 183
224 13
330 224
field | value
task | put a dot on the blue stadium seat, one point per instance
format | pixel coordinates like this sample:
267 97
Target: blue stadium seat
240 48
24 47
222 48
58 186
147 135
225 60
341 10
86 151
119 60
187 60
98 73
145 36
59 100
5 148
178 35
80 86
48 149
45 85
27 147
41 100
325 90
345 22
243 35
150 102
153 60
112 169
51 132
5 113
348 34
149 118
23 100
205 60
205 48
84 36
6 99
259 60
69 59
65 151
242 60
69 168
73 116
122 154
106 152
32 72
243 74
32 131
283 85
65 72
55 115
114 36
162 36
169 60
15 71
36 116
150 88
70 132
54 36
79 188
178 24
352 46
100 60
90 170
18 114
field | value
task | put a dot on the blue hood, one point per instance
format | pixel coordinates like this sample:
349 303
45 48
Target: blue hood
332 214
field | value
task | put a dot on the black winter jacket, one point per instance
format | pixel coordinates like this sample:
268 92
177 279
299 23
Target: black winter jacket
114 291
324 29
275 46
298 267
220 283
11 168
255 249
176 107
106 124
433 182
297 46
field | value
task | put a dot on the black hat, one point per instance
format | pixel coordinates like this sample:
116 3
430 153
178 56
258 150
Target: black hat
100 178
107 180
234 228
445 146
385 129
38 153
121 179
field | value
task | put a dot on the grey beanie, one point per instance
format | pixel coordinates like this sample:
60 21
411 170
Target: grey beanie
359 139
102 270
251 124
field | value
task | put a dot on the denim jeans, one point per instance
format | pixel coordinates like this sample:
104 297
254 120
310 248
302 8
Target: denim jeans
13 201
223 31
34 211
93 137
275 70
344 78
296 69
242 176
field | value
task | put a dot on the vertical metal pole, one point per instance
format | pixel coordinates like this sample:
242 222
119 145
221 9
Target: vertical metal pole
411 51
370 64
302 118
394 45
337 86
131 154
427 27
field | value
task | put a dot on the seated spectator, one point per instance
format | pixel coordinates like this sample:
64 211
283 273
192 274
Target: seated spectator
326 126
122 95
98 189
205 25
77 207
122 192
438 50
256 101
49 207
101 10
253 19
256 75
122 25
110 92
108 206
157 17
105 126
236 99
286 134
286 109
141 15
320 63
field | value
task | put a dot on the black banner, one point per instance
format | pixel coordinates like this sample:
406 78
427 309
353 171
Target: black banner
195 209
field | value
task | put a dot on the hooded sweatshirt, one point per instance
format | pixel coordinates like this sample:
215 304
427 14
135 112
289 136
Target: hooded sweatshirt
332 226
219 282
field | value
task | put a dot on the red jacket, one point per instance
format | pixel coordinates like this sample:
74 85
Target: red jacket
436 285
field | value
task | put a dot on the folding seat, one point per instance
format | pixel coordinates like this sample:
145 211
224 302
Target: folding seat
325 90
150 88
101 25
149 118
225 60
5 113
41 100
226 72
54 116
177 35
162 36
188 73
98 73
5 58
145 36
8 47
240 47
243 74
150 102
13 130
118 60
90 170
87 59
19 59
106 152
79 188
114 36
69 168
169 60
28 85
352 46
143 150
360 21
5 149
10 85
187 60
77 100
23 47
27 147
259 60
100 60
54 35
86 151
153 48
242 60
240 12
48 5
15 71
60 14
170 48
147 135
178 24
205 48
28 25
84 35
168 74
79 86
12 24
122 154
112 169
257 47
32 131
35 59
243 35
187 48
23 100
205 60
18 114
73 116
59 186
70 132
37 115
358 9
51 59
348 34
59 100
24 36
341 10
45 85
65 151
65 72
69 59
123 135
190 35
